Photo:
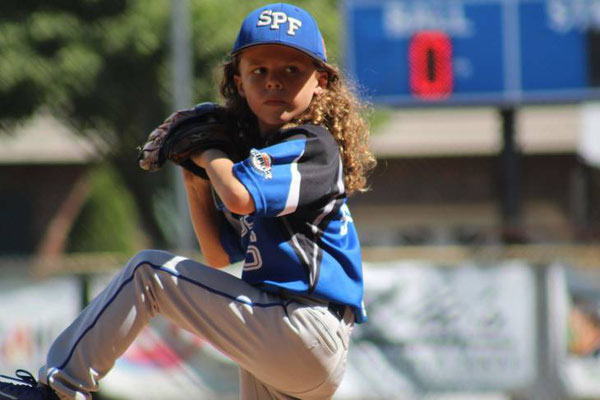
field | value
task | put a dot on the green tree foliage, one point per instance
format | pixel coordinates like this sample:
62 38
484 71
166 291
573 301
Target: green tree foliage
103 66
108 221
97 65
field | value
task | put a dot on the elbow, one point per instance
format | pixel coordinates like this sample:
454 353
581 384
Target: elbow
240 203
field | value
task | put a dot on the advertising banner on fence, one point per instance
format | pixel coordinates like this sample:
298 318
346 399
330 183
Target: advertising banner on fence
581 356
33 313
444 328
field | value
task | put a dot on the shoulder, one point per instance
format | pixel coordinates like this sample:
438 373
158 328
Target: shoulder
309 132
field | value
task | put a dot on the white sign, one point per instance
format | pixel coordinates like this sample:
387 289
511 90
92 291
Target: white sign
444 328
33 315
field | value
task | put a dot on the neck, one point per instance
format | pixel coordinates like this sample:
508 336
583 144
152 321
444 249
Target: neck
267 130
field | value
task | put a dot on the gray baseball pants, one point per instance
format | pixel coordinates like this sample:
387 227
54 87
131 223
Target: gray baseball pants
285 349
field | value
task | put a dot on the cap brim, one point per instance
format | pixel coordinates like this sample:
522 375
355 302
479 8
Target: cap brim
314 56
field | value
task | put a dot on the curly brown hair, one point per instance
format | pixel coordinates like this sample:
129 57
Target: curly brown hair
337 108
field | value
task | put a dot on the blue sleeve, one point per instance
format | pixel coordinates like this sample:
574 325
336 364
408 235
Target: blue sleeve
302 168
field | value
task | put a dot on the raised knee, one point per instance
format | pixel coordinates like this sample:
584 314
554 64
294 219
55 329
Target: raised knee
150 257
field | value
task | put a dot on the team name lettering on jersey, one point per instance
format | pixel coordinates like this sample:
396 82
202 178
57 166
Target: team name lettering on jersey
253 257
277 18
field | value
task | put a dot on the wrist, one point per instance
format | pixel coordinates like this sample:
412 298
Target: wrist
204 158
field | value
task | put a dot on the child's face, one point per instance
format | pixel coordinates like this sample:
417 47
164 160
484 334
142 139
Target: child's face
278 83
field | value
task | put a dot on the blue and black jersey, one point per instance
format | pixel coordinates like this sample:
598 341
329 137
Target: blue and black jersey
301 237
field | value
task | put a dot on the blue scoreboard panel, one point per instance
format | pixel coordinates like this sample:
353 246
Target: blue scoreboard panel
509 52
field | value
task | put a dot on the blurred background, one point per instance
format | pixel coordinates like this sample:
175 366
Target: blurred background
481 230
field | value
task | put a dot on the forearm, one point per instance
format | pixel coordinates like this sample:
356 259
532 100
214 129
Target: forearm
219 168
205 220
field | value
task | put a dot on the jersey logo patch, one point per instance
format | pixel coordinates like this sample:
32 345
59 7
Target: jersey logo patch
261 162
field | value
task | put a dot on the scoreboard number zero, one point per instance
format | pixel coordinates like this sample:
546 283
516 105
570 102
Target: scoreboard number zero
430 65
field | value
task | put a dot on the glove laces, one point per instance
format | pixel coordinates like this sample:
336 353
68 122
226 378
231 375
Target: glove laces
22 377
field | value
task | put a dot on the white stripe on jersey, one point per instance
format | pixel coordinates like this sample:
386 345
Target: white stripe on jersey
327 209
313 263
315 229
301 251
340 182
291 202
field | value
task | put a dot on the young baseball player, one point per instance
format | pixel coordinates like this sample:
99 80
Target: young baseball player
282 211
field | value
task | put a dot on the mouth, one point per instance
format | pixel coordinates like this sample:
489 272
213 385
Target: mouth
275 102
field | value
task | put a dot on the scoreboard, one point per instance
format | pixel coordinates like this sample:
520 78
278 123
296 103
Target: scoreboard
483 52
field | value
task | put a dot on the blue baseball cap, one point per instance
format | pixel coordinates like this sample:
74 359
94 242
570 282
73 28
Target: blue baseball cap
282 24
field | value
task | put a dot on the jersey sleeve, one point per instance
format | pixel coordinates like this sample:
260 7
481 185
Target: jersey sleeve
301 168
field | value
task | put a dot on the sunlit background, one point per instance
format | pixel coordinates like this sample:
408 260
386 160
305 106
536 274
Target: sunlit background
481 229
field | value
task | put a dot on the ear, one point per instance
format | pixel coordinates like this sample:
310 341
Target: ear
240 85
322 79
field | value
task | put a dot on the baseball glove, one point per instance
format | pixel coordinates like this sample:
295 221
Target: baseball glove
185 133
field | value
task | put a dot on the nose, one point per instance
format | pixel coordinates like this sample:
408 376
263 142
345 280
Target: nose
274 81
